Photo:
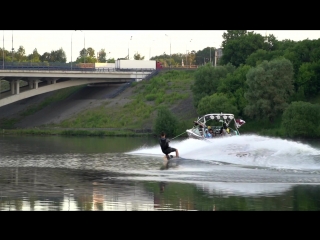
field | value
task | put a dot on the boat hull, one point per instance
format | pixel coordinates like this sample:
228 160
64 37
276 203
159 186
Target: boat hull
193 135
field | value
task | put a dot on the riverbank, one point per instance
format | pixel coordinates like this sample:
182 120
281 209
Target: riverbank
80 132
99 110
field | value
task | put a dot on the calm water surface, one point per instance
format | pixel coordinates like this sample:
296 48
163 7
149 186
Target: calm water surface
246 173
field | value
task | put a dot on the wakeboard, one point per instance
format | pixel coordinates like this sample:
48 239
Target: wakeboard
241 154
172 162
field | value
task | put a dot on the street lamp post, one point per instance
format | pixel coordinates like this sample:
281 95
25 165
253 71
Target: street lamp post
71 49
187 53
129 47
215 57
12 48
84 47
3 51
170 49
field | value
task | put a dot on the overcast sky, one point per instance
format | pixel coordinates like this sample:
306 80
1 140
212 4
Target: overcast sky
146 42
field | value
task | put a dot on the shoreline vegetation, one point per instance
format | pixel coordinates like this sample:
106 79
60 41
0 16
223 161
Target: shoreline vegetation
79 132
170 90
272 85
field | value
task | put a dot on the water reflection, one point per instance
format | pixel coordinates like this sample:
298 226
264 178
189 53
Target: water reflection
95 174
60 190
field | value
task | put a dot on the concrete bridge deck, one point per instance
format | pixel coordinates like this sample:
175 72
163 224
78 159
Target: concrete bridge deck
39 82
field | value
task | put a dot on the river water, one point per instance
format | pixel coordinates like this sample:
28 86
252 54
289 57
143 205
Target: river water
241 173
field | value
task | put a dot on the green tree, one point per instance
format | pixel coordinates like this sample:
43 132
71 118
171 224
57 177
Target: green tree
137 56
234 86
236 50
5 53
34 57
176 59
302 52
301 119
20 54
231 35
257 57
58 56
204 55
83 53
91 52
45 57
102 56
308 79
165 122
270 85
207 80
86 56
216 103
286 44
260 55
271 43
111 60
191 58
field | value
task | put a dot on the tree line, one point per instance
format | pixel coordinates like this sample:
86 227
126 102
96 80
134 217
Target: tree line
261 78
87 55
199 58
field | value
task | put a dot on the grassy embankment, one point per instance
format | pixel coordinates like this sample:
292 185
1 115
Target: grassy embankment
115 118
7 124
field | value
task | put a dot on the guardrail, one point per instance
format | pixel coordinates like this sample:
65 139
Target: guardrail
59 68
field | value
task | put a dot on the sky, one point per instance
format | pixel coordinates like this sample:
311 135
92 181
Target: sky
117 43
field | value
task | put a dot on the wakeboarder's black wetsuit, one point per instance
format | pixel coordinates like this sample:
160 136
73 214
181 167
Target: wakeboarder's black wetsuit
164 144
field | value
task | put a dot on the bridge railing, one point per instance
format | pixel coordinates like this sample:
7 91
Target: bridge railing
67 67
135 69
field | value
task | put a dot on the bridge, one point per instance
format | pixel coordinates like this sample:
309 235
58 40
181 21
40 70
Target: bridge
27 83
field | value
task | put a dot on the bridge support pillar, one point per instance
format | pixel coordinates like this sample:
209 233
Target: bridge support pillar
31 82
52 81
12 83
36 84
15 86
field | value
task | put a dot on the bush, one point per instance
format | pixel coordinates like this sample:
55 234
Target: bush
217 102
301 119
165 122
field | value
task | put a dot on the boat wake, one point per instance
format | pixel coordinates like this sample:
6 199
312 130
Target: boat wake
246 150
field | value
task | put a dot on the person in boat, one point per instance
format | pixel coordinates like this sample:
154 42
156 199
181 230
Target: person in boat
208 134
164 144
211 132
223 130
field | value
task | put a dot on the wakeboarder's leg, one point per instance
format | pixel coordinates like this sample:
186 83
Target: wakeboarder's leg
177 153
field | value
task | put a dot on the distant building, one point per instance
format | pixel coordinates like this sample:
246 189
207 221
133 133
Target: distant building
218 55
219 52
